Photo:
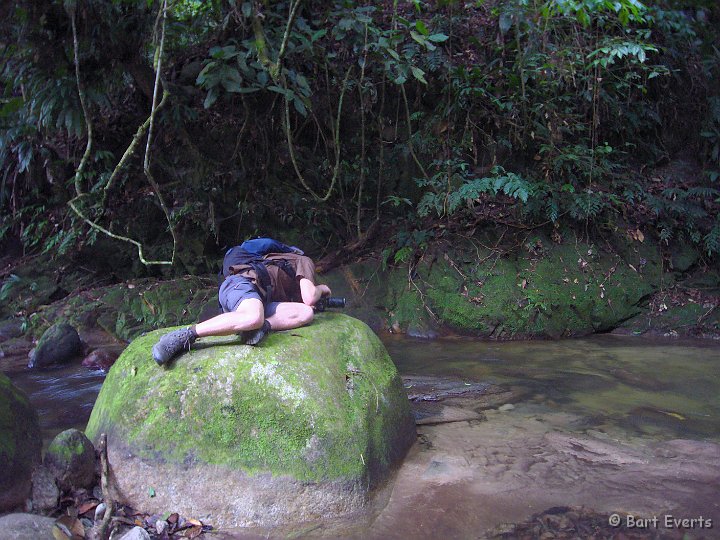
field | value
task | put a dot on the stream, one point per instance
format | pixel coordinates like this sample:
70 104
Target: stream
613 423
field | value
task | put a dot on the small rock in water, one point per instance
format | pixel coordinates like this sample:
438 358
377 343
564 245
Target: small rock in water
421 332
10 328
100 359
136 533
506 407
60 343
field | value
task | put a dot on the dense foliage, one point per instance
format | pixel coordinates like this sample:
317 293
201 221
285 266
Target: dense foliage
328 119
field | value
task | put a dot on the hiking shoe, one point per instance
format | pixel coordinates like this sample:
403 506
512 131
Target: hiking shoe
253 337
172 343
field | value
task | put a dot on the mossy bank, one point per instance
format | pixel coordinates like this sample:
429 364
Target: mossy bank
484 286
301 427
537 289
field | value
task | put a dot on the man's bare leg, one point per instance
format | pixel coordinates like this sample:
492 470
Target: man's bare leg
290 315
249 315
285 315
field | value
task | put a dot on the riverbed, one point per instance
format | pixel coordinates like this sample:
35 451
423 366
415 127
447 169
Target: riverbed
612 423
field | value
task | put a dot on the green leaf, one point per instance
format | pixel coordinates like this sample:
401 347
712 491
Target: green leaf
289 94
420 27
232 81
246 10
438 38
299 106
202 76
211 97
317 35
422 40
394 54
419 74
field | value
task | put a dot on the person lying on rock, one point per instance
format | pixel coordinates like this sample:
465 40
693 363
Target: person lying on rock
277 294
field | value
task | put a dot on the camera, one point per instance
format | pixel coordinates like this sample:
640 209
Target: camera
330 302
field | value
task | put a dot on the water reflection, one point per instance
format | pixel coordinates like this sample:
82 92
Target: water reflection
63 397
666 388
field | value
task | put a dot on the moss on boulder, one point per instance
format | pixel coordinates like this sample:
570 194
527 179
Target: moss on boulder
300 427
541 290
58 344
20 443
70 457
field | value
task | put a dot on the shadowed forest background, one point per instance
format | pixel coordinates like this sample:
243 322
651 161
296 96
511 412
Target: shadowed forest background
147 137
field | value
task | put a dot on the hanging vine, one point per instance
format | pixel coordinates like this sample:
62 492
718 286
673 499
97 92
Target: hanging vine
148 126
70 8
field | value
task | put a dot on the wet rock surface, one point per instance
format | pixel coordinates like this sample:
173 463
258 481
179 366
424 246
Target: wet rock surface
45 493
437 400
299 427
522 462
101 359
20 444
26 527
10 328
59 344
71 459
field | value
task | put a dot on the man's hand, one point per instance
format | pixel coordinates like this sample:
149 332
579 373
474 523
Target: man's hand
324 290
311 293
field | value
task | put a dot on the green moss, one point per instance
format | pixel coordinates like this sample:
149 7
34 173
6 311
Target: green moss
543 290
127 310
404 302
283 407
19 436
65 446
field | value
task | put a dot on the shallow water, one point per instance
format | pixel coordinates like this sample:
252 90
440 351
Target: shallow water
656 388
614 423
63 396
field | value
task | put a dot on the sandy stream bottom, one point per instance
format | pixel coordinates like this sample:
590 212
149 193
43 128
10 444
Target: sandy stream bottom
466 479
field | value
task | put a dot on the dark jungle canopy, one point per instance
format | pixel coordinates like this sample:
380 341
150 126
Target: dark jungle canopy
165 131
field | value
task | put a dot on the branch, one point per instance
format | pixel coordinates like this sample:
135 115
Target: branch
70 8
146 126
283 46
274 68
104 486
131 148
103 230
153 111
362 135
336 137
409 125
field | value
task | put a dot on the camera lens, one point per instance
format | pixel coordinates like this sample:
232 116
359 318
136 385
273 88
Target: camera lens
335 302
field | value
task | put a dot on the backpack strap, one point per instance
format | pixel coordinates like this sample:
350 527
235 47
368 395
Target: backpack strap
284 265
263 280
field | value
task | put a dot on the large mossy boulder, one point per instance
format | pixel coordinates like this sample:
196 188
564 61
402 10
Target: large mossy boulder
542 289
302 426
20 443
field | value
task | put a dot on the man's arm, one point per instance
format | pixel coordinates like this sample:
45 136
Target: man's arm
311 293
